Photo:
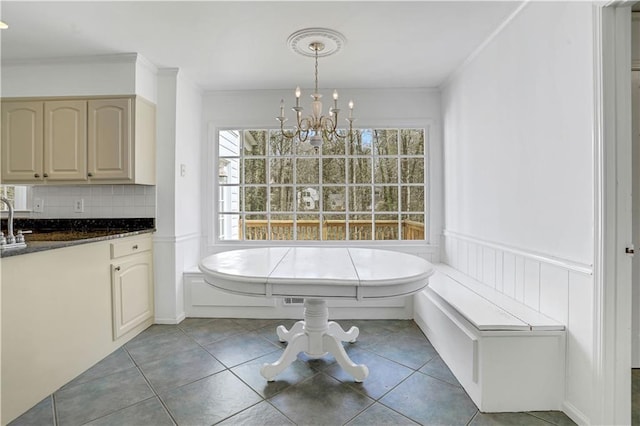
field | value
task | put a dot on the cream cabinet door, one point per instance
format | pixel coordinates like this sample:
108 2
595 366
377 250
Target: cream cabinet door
110 139
132 292
22 141
65 140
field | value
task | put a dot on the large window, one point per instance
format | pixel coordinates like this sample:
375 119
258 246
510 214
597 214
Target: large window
369 187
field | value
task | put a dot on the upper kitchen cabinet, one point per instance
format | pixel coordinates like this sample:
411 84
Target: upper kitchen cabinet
121 143
104 140
22 141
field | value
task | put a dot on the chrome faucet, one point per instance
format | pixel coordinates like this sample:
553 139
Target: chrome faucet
11 239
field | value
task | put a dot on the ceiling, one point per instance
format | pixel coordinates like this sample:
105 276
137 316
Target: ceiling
237 45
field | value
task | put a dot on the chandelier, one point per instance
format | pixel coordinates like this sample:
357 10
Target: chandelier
316 127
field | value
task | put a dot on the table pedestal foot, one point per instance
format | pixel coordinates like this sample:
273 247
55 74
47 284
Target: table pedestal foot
286 335
316 336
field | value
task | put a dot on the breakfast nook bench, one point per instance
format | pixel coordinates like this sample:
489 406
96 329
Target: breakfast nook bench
507 356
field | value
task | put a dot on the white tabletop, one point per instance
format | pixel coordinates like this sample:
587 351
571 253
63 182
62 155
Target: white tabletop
317 272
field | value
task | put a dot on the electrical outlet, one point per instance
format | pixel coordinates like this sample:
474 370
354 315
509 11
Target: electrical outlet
183 170
78 205
38 205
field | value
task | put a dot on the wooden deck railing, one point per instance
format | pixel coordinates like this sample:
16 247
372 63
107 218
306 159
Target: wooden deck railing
331 230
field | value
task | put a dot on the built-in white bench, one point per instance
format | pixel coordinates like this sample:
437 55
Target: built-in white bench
507 356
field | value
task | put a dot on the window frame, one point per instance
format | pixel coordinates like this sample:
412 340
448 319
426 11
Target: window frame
212 221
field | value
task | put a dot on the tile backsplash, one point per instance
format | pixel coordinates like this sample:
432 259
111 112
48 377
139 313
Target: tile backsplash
98 201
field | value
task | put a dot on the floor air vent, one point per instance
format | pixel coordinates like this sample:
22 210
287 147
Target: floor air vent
293 301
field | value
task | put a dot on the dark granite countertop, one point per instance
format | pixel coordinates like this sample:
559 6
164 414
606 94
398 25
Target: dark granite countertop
51 234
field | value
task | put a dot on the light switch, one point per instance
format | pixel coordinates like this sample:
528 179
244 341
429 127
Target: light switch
183 170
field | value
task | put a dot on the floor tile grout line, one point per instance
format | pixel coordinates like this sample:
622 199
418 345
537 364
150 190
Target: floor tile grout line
55 409
153 389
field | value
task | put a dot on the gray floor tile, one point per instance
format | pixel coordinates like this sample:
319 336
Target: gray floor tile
320 400
154 330
431 401
40 415
384 374
162 345
403 348
209 400
250 373
180 368
91 400
262 414
240 348
506 419
378 414
248 324
145 413
557 418
117 361
205 331
437 368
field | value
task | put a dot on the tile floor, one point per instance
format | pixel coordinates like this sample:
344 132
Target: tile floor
206 371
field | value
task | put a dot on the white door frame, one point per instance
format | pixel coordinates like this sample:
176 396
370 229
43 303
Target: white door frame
612 201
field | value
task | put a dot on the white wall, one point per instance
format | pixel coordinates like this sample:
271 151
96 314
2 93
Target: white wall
519 179
177 242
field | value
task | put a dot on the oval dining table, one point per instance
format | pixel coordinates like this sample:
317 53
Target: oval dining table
316 274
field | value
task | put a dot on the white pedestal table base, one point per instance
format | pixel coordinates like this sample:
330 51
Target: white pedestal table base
316 336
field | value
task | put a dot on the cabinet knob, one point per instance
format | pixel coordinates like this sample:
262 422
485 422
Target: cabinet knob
46 175
117 268
36 175
135 247
89 174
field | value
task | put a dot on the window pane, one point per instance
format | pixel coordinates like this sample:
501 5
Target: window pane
308 227
360 227
413 227
386 170
412 142
386 199
361 142
360 170
255 227
307 170
229 227
386 227
255 171
281 199
229 170
281 227
385 141
255 142
255 199
281 171
308 198
336 147
229 143
229 198
360 198
334 227
334 198
279 145
333 170
412 170
412 199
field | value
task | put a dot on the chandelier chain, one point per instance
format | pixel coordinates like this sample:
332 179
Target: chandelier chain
316 49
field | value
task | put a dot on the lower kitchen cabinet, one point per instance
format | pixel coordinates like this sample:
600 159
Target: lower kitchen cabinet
131 288
61 309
